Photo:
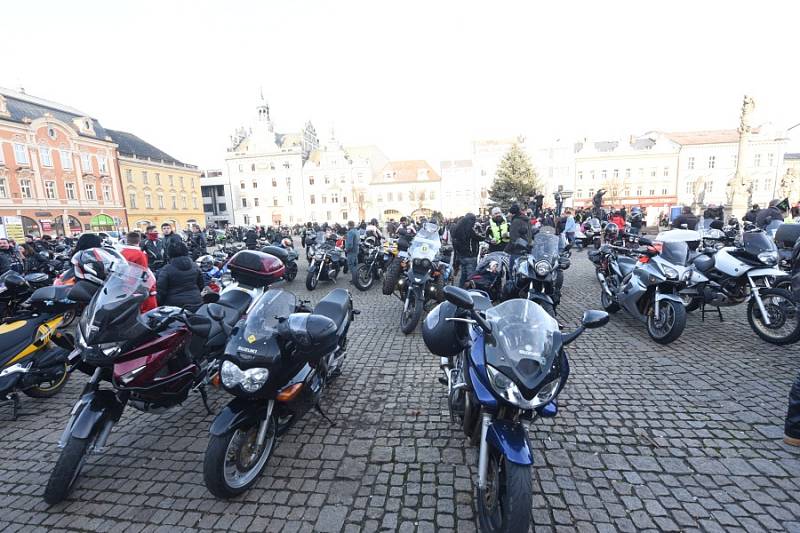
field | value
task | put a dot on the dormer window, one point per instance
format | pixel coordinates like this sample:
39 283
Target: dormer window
51 132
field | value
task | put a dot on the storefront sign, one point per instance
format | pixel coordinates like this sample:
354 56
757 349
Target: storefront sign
47 225
13 228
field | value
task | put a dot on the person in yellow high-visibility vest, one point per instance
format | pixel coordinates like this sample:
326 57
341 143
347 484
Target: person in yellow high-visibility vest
498 231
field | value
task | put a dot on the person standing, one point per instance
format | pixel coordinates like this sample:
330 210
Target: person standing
180 281
132 251
199 243
352 240
465 245
9 258
153 248
498 231
520 230
570 226
685 218
168 236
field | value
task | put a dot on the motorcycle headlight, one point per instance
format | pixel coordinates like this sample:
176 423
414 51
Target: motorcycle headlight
509 391
768 258
671 273
250 380
542 268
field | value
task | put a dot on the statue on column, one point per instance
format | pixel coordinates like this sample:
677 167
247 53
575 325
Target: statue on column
739 189
787 188
698 192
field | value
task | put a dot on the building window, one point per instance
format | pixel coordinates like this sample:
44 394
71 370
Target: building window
241 168
757 160
710 187
422 195
252 167
580 174
344 215
174 202
286 164
255 201
171 180
69 187
311 199
241 185
756 183
342 179
183 202
689 187
66 159
181 180
258 219
288 181
289 200
666 172
380 198
399 197
244 202
324 199
103 164
192 181
638 191
652 172
129 175
616 173
652 192
3 189
144 177
664 191
734 160
20 154
132 200
604 174
107 193
255 184
148 200
771 159
274 202
274 182
390 197
46 156
334 198
86 163
25 187
627 173
160 201
690 163
712 161
158 178
591 175
432 195
579 194
222 208
327 180
88 188
50 190
311 180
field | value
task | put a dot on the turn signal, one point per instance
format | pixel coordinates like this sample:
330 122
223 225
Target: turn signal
644 259
215 380
290 393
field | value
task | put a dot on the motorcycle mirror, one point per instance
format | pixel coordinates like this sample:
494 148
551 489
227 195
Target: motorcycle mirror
459 297
594 319
216 312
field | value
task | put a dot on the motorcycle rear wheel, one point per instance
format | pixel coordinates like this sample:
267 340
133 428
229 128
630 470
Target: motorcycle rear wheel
609 305
782 312
291 271
392 276
672 321
505 504
51 388
364 277
221 468
67 469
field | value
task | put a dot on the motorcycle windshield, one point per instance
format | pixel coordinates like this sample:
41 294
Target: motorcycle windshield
545 247
594 223
114 309
675 252
426 243
757 242
521 344
263 318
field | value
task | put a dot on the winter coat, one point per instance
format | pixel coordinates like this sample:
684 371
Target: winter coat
179 284
690 220
770 214
520 229
465 240
166 240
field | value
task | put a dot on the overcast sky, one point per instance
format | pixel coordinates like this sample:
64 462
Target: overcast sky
419 79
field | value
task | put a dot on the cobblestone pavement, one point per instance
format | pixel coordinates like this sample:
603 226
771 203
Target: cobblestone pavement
678 438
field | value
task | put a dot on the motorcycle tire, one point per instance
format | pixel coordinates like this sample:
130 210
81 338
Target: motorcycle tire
788 314
67 469
311 280
364 277
41 391
392 277
609 306
217 453
678 312
410 317
512 511
291 271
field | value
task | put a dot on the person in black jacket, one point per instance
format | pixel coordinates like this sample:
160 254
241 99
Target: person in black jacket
773 213
519 229
169 236
751 215
251 239
465 244
9 258
686 217
180 281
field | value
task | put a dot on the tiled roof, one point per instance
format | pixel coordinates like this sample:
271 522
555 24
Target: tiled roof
791 156
406 172
705 136
131 145
22 106
457 163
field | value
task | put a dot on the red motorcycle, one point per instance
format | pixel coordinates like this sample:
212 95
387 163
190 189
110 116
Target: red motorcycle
152 361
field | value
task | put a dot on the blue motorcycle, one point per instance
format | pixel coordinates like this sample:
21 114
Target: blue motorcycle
504 366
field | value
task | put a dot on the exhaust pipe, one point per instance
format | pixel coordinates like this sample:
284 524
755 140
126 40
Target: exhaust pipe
602 279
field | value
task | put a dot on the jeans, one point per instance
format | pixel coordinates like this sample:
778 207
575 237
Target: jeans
468 266
792 427
352 265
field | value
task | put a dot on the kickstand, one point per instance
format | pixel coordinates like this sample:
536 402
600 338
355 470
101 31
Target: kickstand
719 312
204 396
323 415
14 405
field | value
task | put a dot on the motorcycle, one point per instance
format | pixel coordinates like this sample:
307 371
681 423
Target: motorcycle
276 365
34 350
16 289
746 271
424 279
592 231
504 367
313 239
491 275
646 284
152 361
373 266
325 264
541 274
287 256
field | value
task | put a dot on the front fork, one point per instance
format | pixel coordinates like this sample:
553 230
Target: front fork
759 301
483 454
262 428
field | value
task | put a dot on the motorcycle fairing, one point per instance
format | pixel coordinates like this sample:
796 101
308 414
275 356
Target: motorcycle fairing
19 338
511 440
98 406
477 371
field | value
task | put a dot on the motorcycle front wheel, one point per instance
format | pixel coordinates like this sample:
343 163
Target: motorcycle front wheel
784 327
291 271
364 277
411 313
234 460
311 280
505 504
67 469
671 321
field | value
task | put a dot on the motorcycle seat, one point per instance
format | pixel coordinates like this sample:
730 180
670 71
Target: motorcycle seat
336 306
36 278
237 300
49 294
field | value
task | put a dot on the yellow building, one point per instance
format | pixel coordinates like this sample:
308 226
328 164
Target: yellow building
157 187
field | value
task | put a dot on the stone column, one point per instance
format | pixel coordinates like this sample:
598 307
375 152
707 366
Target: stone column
739 190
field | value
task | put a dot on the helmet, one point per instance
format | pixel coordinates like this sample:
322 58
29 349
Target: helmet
95 264
286 242
443 337
205 262
612 231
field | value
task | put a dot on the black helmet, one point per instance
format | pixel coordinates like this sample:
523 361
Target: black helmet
611 231
445 338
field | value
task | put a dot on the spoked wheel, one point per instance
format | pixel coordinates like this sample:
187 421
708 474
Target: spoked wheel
411 313
505 504
68 467
68 318
784 326
234 460
670 323
364 277
50 387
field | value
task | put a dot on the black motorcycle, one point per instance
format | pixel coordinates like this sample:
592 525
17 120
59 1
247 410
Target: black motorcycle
287 256
372 268
540 275
325 265
277 365
425 278
16 288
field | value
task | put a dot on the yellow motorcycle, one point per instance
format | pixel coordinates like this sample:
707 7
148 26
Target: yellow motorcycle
33 351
